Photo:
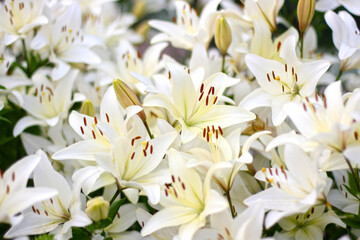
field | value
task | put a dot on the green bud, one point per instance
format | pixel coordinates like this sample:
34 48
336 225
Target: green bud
139 8
305 13
127 97
223 36
88 108
97 208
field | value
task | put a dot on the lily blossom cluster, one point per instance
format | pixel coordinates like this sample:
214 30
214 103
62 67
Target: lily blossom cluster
222 122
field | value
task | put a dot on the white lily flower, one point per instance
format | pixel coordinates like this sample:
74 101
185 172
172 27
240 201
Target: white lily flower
346 38
293 190
196 111
49 105
97 132
135 165
309 225
186 202
59 213
282 82
350 5
188 28
65 42
329 121
14 195
18 17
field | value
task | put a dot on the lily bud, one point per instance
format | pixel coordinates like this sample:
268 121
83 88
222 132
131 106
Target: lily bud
88 108
142 29
139 8
127 97
97 208
305 13
223 36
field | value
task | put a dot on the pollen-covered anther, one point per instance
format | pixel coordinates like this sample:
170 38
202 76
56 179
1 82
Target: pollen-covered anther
356 135
13 176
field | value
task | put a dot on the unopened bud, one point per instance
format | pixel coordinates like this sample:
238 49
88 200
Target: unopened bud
139 8
305 13
142 29
127 97
223 36
88 108
97 208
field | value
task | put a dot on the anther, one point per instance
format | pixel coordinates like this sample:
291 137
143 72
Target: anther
173 178
85 121
82 130
132 156
93 133
144 151
201 95
151 149
33 208
273 74
107 117
268 77
202 88
95 120
296 79
356 135
292 71
173 19
13 176
278 46
285 67
220 130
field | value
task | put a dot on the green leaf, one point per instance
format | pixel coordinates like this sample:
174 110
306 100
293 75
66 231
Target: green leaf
44 237
80 233
2 87
351 220
114 208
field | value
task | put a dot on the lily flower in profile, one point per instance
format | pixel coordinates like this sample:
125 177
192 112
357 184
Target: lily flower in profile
14 195
198 109
281 83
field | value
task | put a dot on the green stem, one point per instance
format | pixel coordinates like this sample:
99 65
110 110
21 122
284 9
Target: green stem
223 64
355 175
115 196
26 58
232 209
339 75
301 45
148 130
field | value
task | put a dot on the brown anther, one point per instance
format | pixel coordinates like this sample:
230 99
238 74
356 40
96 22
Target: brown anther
227 231
1 174
308 216
107 117
142 223
93 133
220 130
217 134
173 178
138 54
6 8
278 46
173 19
38 212
7 189
316 96
201 95
151 149
270 171
204 133
132 141
33 208
207 137
46 213
132 156
13 176
285 67
176 195
100 131
169 75
210 90
118 215
213 91
276 171
273 74
268 77
146 146
356 135
343 178
297 217
36 92
278 184
202 88
167 186
296 79
50 90
324 97
215 99
282 88
304 106
213 128
82 130
95 120
85 121
179 179
312 210
292 71
40 99
52 202
144 151
189 71
207 100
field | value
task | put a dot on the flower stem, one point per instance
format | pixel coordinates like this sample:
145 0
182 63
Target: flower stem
339 75
355 175
301 45
148 130
232 209
115 196
223 64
